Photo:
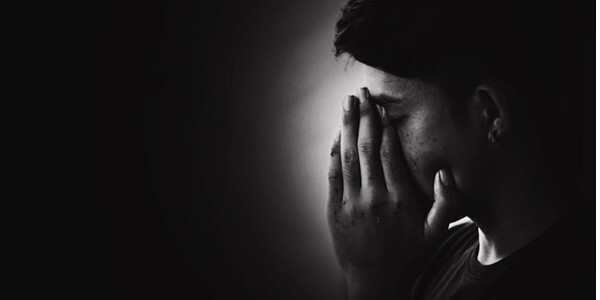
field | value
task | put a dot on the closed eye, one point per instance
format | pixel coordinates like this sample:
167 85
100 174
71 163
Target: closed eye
395 106
387 101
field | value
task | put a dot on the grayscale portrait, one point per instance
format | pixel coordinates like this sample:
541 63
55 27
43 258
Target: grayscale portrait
344 149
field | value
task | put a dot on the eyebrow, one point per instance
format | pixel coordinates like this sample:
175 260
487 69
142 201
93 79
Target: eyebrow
385 100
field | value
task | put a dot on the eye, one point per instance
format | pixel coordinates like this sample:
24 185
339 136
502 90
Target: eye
396 112
389 101
396 107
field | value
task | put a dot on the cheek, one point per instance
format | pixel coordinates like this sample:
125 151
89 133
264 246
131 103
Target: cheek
426 142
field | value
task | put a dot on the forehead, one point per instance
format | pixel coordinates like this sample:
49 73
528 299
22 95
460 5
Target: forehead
382 83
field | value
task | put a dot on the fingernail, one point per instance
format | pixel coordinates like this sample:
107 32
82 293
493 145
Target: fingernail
446 178
384 116
366 91
379 110
348 103
362 97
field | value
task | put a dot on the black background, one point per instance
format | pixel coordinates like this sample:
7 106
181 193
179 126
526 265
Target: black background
192 179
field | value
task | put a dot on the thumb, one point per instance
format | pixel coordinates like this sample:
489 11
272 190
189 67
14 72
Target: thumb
444 205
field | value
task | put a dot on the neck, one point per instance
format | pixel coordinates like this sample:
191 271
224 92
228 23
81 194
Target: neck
521 210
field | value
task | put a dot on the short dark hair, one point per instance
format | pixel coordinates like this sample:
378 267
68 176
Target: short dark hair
543 49
524 42
510 38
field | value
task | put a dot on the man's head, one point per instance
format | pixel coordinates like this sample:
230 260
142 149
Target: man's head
474 86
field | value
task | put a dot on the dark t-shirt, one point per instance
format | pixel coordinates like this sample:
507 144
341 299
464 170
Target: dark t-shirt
559 264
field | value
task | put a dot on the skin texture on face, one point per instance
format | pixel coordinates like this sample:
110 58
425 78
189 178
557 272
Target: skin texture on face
431 135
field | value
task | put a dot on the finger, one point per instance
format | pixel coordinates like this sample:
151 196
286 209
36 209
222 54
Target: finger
369 140
393 163
350 163
335 174
444 205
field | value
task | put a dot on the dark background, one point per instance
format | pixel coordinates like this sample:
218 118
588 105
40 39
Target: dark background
210 134
211 144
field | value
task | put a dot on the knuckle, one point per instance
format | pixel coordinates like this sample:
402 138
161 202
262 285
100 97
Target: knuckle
386 153
334 174
369 195
335 150
404 200
348 117
350 156
378 205
357 212
367 146
373 189
401 204
364 110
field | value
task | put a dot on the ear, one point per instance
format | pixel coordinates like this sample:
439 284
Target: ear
492 106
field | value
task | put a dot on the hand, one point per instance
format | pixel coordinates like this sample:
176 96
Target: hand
380 236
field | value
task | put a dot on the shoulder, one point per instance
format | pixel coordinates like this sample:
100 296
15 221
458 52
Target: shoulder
461 236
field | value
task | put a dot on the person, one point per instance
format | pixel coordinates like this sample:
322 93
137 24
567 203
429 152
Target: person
470 109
